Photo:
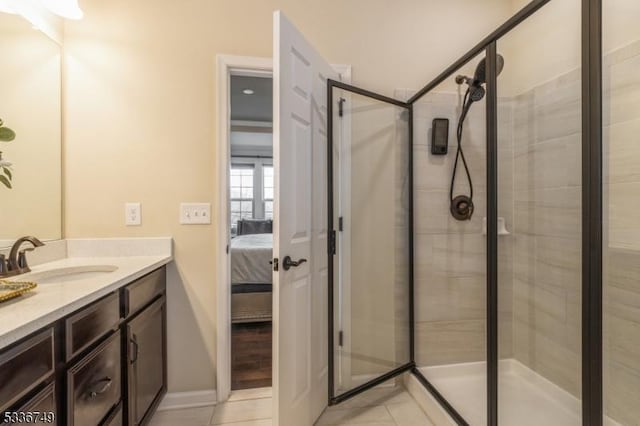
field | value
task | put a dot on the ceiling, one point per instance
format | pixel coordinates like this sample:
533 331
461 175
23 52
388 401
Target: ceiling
255 107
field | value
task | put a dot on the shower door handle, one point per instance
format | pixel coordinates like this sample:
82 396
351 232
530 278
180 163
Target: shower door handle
287 263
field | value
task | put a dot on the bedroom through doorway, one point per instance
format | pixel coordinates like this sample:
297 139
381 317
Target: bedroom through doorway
251 194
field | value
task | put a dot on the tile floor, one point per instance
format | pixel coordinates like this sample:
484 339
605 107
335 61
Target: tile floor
382 406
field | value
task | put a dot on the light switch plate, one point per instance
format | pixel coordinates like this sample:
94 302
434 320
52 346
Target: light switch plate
132 214
195 213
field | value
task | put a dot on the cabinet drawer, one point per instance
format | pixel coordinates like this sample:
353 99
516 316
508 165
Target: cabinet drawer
88 325
93 384
25 366
43 405
141 292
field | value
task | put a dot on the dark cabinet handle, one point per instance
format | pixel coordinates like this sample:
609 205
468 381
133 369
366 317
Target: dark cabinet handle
100 387
288 263
135 347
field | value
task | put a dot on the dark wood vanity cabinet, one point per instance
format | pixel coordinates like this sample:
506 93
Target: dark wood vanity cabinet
102 365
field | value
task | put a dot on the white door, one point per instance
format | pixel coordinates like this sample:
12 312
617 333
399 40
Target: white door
300 389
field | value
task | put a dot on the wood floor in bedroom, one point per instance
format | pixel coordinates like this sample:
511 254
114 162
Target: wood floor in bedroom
250 355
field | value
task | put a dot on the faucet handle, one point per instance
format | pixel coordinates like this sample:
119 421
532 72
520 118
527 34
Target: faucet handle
22 260
23 266
3 265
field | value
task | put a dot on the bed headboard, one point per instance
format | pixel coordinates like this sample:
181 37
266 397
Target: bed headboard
255 226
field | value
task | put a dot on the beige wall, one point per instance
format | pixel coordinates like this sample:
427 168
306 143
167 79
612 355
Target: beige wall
140 119
541 48
552 38
30 105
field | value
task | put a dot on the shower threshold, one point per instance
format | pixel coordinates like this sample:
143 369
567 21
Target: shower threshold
525 397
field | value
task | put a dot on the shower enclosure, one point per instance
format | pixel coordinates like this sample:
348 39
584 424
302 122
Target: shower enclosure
526 311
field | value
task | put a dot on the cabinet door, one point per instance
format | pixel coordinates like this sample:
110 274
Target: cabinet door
146 337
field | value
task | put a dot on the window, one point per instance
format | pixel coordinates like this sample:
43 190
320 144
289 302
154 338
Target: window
251 189
241 194
267 191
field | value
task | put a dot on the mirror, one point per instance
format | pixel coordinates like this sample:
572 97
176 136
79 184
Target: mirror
30 105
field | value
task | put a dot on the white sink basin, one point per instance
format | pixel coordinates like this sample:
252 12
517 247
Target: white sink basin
71 273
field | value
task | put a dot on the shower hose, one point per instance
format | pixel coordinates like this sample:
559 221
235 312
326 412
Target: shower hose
462 205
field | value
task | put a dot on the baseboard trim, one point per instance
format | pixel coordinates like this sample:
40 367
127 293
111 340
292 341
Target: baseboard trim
179 400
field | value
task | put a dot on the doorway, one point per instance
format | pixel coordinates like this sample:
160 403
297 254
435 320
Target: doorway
251 229
245 180
227 67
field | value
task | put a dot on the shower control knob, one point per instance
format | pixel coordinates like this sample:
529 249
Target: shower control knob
287 263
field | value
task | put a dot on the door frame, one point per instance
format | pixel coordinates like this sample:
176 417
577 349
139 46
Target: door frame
226 65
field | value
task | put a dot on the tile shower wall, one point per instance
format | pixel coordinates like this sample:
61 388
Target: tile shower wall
450 256
547 230
547 225
622 234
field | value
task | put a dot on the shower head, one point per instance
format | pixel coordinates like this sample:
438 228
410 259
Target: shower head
479 78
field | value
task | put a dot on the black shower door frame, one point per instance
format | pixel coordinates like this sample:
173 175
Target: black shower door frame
331 247
592 216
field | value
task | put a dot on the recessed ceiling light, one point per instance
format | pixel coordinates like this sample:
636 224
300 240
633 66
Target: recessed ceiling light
248 92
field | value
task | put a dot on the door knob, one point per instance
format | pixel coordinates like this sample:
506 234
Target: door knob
288 263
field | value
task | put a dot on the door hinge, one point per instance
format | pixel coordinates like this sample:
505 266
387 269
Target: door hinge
340 338
332 243
227 248
274 262
341 102
340 225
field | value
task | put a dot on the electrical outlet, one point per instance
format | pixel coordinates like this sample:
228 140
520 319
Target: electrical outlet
132 214
195 213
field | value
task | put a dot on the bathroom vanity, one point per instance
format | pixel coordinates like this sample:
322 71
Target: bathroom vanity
88 346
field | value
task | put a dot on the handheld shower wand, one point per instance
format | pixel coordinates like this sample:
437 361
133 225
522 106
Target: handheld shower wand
461 206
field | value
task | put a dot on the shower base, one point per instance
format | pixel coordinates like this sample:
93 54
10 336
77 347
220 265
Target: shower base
525 397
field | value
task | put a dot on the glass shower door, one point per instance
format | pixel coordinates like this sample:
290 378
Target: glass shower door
540 201
370 215
621 200
450 254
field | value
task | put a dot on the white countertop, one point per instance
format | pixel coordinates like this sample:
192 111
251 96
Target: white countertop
47 303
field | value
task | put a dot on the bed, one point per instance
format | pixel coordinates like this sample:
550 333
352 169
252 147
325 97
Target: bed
251 277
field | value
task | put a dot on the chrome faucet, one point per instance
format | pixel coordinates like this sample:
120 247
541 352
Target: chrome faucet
17 262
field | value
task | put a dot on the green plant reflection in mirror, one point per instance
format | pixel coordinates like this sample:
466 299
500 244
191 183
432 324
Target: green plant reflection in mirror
6 135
